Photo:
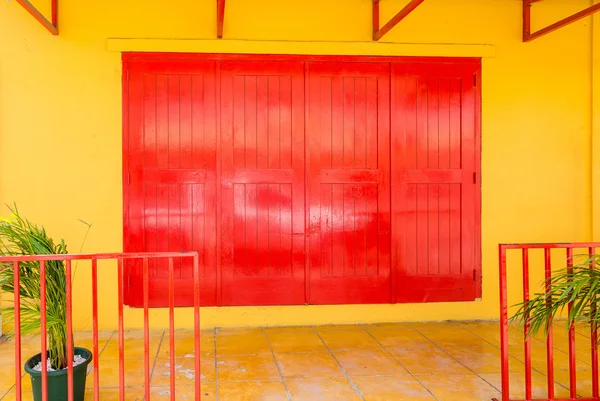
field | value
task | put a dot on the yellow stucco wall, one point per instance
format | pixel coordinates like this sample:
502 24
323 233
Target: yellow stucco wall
60 121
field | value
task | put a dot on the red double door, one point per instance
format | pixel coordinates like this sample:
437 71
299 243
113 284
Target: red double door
321 182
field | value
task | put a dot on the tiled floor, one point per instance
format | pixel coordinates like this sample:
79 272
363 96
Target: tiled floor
395 362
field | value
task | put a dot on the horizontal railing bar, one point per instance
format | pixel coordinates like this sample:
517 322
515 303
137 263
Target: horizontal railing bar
98 256
555 399
552 245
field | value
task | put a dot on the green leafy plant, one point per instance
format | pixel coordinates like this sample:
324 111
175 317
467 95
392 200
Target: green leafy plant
578 286
19 236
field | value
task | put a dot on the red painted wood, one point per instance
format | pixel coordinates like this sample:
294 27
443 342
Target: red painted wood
237 195
262 161
51 26
348 183
435 190
171 176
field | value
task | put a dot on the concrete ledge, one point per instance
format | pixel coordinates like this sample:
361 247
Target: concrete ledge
304 48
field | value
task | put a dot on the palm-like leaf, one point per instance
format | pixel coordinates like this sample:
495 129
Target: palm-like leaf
18 236
578 286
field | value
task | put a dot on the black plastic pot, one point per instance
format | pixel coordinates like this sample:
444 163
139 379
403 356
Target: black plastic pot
57 381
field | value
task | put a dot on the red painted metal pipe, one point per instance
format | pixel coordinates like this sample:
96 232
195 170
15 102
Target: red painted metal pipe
43 331
526 19
103 256
55 13
504 349
121 332
220 17
43 259
504 325
172 326
526 338
409 8
17 305
550 336
594 342
572 347
197 324
528 36
375 17
39 17
95 329
70 350
146 331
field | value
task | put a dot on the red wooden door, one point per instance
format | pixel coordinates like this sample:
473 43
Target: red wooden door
262 158
349 186
170 182
435 160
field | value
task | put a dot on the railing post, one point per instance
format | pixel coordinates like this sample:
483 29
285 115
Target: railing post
504 325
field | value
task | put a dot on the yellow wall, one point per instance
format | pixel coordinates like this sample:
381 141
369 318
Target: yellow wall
60 121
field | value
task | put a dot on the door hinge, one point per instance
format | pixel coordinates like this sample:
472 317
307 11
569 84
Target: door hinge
475 80
128 178
475 177
474 275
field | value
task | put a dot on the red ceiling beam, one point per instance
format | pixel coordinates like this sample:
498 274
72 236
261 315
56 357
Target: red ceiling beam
378 33
528 36
220 17
51 26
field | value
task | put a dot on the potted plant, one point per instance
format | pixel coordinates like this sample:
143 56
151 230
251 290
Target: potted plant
578 285
18 236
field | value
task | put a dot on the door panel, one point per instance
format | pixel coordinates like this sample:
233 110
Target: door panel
375 200
435 190
348 178
262 158
171 182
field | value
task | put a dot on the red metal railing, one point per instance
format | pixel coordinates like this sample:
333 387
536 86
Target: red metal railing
567 248
94 258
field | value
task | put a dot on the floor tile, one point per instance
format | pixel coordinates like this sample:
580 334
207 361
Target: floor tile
252 391
428 362
492 335
238 331
289 330
314 365
482 359
26 396
185 372
584 381
109 373
349 341
583 348
112 394
387 326
238 344
296 342
517 385
399 388
369 363
402 339
133 346
433 326
247 367
7 378
30 346
539 359
454 337
207 391
459 387
321 390
185 345
339 327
